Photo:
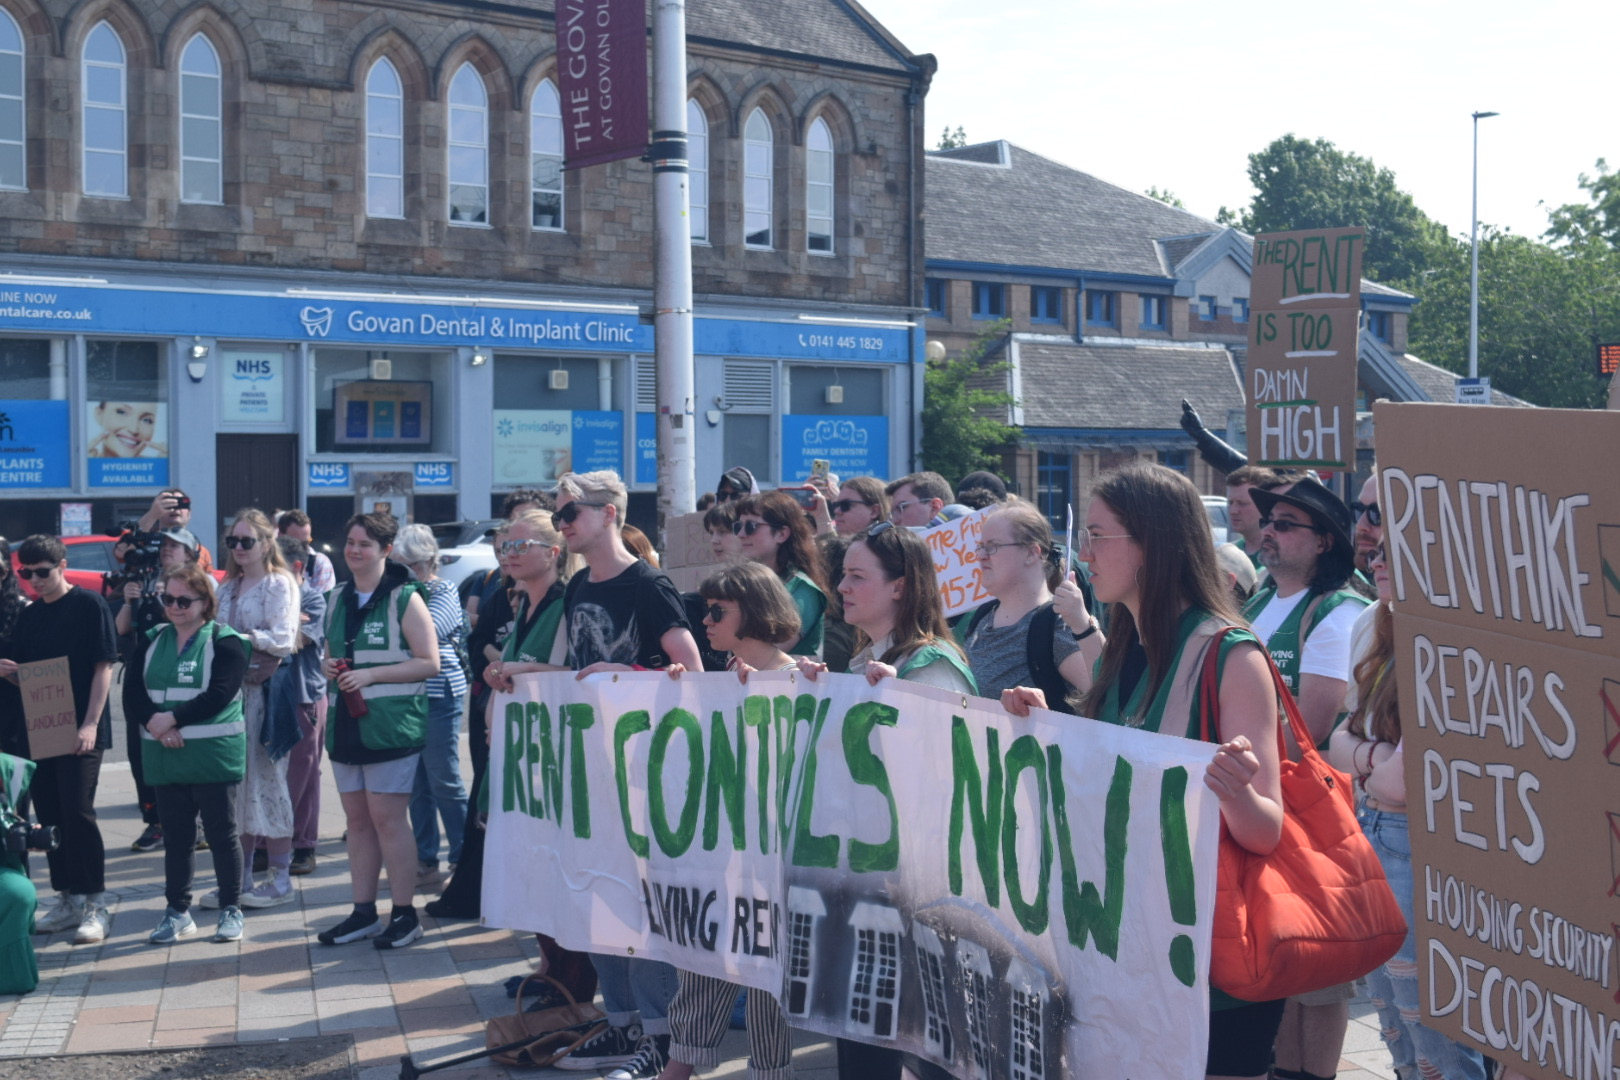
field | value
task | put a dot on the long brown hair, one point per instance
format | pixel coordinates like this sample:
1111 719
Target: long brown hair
799 551
920 619
1164 515
1378 706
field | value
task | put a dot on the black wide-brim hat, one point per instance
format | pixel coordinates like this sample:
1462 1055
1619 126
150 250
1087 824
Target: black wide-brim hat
1326 509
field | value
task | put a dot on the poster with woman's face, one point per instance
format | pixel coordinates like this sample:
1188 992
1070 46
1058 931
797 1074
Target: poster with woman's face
128 443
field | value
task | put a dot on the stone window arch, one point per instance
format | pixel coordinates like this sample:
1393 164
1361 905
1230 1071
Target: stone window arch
104 139
467 148
385 141
759 180
202 128
546 157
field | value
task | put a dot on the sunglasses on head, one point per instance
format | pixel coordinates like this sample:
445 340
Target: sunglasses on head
714 613
182 602
244 542
844 506
567 514
747 528
876 530
1283 525
40 572
1374 516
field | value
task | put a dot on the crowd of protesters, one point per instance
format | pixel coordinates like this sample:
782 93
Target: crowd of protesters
233 692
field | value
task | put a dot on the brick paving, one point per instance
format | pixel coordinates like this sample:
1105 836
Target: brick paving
430 1000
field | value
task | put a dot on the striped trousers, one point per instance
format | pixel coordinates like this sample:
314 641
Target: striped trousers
700 1014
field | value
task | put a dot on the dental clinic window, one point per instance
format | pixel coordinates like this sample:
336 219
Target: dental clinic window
34 414
13 156
469 149
201 136
383 402
126 421
553 414
546 157
105 135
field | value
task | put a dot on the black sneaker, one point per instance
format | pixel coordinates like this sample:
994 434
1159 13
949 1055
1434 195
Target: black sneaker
615 1046
354 928
651 1057
150 839
303 862
403 929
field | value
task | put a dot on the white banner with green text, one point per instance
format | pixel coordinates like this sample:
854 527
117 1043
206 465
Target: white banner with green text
1009 898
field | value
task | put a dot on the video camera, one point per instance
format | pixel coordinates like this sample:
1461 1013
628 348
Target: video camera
19 837
142 558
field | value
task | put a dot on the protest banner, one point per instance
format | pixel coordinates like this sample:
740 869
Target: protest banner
954 546
1503 559
900 864
48 712
1305 309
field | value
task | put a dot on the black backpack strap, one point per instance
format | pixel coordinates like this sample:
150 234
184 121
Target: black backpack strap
1043 670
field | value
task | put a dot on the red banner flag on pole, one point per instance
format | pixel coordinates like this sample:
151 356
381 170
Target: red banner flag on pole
602 69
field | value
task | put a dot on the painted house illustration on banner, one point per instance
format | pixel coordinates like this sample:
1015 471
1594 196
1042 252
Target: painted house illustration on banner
1027 1047
978 1000
874 977
936 1010
805 910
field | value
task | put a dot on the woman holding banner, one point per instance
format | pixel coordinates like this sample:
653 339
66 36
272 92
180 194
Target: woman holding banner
748 611
1147 546
1368 747
773 529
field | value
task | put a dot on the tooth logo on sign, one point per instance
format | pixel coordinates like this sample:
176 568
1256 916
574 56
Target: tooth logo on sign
317 321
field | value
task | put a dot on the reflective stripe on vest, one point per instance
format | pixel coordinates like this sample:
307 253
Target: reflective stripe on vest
163 695
203 731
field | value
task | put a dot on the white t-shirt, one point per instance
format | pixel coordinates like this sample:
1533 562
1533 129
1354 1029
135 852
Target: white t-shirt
1327 649
1361 642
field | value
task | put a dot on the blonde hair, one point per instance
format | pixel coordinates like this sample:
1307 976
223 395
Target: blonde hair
540 522
602 486
264 535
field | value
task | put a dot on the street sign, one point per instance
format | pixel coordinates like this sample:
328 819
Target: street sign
1474 391
1608 358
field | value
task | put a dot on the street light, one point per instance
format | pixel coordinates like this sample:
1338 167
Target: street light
1473 281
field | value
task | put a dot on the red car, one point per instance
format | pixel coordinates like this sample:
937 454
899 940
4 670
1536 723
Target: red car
89 561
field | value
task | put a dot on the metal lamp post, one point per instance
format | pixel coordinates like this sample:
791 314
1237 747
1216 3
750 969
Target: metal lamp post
1473 281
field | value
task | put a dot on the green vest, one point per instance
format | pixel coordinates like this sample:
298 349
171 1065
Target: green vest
811 603
1177 694
928 654
16 774
215 750
1287 642
539 642
396 717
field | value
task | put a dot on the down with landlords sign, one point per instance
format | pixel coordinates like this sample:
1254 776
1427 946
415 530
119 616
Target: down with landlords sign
602 69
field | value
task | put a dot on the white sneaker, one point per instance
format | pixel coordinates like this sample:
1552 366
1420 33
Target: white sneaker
65 914
210 900
264 895
95 926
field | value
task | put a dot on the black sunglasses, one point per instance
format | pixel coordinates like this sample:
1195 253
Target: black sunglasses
40 572
244 542
182 602
1283 525
1374 516
876 530
567 514
747 528
714 613
844 506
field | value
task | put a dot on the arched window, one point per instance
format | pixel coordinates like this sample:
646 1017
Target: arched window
106 138
201 134
469 149
697 166
546 157
385 142
758 177
818 188
13 159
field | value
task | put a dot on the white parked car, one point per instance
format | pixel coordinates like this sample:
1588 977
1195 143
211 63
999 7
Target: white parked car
1219 522
465 548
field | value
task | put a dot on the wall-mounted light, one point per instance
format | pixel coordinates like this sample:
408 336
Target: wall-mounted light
721 403
935 351
480 357
197 366
199 351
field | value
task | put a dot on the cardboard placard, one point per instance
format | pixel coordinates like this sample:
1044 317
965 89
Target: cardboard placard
1503 558
956 562
1305 310
686 542
47 693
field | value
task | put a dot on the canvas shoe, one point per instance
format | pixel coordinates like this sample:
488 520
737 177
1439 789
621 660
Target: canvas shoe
173 926
651 1056
151 839
94 927
615 1046
66 913
356 927
403 929
264 895
230 925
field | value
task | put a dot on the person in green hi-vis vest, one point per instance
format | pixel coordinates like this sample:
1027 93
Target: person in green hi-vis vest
183 690
1148 545
19 968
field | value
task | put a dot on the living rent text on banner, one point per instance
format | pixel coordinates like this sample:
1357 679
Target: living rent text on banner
901 865
1503 531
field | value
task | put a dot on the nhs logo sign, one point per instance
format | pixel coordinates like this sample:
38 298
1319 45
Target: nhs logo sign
435 474
325 475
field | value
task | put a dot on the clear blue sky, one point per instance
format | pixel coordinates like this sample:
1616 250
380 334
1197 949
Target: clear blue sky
1178 95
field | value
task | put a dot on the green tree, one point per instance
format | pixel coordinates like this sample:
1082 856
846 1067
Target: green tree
963 404
1599 220
1165 196
950 140
1302 184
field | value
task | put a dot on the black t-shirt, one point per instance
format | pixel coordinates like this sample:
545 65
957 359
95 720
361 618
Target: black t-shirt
622 620
79 626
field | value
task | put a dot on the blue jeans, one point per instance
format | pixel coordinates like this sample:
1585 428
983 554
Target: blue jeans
630 985
438 782
1394 986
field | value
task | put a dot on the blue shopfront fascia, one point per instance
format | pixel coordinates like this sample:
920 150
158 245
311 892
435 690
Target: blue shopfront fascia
381 321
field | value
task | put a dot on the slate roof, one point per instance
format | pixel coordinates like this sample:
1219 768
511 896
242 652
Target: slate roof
1123 386
820 28
1441 385
1177 248
1039 213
